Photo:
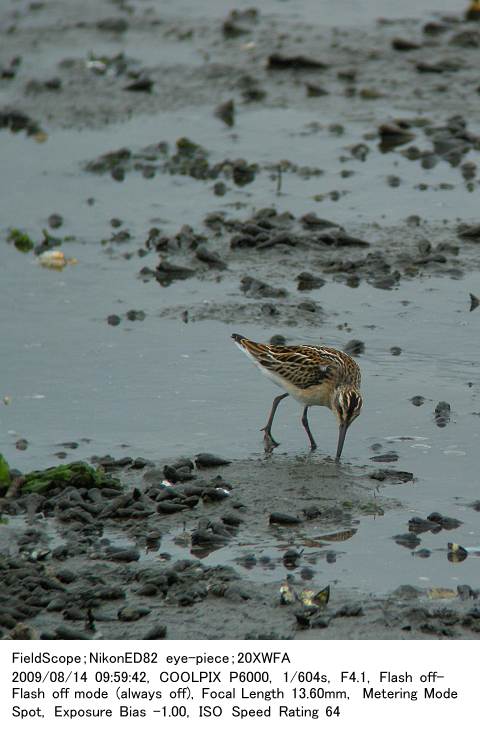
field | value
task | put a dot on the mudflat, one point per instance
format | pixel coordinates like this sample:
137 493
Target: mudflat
297 174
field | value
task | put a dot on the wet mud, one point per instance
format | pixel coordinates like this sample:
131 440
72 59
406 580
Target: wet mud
300 176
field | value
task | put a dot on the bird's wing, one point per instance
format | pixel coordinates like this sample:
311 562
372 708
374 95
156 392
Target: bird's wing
303 366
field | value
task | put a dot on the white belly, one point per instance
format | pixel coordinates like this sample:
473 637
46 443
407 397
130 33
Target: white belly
313 396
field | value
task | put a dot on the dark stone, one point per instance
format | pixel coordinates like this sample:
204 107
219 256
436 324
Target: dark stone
313 90
354 347
133 315
132 614
403 44
444 521
434 28
279 62
118 173
220 188
291 557
312 222
442 414
408 540
205 537
420 525
406 591
466 231
387 457
312 512
392 476
320 621
466 592
113 25
180 474
206 459
214 493
158 632
466 39
210 257
243 173
66 576
55 220
167 272
422 553
417 400
169 507
144 83
232 520
340 238
16 121
360 151
394 134
62 632
284 519
6 620
226 112
309 306
440 67
350 610
255 288
307 281
122 555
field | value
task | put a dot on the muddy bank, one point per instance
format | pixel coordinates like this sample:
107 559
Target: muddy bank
121 551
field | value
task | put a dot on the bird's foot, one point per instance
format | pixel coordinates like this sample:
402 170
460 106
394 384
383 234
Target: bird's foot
313 446
269 442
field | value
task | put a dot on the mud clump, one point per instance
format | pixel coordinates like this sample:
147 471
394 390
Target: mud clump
281 62
188 158
17 121
396 476
442 414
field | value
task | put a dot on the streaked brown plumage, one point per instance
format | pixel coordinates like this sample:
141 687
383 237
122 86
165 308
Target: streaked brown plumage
313 375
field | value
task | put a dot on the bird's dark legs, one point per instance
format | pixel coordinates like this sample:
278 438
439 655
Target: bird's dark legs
313 444
268 440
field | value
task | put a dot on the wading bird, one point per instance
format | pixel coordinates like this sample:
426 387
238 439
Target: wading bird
314 375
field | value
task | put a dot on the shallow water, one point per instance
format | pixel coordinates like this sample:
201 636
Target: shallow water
166 388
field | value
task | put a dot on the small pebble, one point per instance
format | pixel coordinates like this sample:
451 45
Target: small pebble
417 400
387 457
354 347
158 632
442 413
55 220
284 519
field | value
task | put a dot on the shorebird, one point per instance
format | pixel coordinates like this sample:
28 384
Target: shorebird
314 375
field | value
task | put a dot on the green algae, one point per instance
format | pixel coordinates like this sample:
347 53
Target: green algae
4 473
78 474
20 240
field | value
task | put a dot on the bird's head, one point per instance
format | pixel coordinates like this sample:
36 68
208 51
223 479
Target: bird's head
347 403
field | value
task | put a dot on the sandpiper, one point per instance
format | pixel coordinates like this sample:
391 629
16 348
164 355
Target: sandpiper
314 375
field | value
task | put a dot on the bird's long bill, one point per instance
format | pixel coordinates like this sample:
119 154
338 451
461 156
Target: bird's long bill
341 438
